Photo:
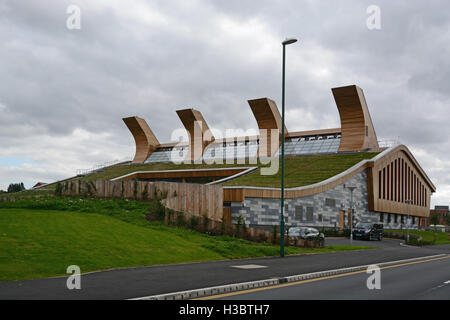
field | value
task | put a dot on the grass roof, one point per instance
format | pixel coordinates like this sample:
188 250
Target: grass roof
303 170
299 170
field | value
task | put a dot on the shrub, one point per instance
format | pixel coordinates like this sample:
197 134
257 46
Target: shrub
194 221
135 189
145 192
90 187
158 211
262 237
274 234
239 222
222 225
180 219
205 222
58 189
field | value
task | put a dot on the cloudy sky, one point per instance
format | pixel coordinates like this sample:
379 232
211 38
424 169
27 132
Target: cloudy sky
64 91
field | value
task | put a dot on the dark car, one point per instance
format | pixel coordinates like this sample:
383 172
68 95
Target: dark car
369 231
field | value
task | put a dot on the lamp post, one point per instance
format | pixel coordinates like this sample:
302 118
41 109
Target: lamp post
408 202
284 43
351 214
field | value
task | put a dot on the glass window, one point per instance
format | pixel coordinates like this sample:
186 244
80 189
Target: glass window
299 213
330 202
309 214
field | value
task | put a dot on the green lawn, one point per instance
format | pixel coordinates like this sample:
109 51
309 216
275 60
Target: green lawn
304 170
441 237
37 242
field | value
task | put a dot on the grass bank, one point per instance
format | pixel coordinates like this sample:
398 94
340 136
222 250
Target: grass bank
428 236
42 237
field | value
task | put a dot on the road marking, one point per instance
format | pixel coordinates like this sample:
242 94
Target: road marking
447 282
312 280
249 266
407 245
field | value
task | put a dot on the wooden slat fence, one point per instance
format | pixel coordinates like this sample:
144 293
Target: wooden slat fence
195 199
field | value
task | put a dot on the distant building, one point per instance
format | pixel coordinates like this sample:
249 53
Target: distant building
39 184
442 211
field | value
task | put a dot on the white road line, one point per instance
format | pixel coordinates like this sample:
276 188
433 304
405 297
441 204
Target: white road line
249 266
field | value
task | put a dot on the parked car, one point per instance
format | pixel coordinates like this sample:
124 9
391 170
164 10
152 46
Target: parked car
306 233
369 231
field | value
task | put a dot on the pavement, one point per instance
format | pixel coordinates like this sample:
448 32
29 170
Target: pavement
145 281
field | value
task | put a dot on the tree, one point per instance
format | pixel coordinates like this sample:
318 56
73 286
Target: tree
16 187
447 218
434 219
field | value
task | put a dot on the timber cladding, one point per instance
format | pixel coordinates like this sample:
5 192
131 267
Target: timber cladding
194 199
357 131
146 141
268 118
397 178
200 136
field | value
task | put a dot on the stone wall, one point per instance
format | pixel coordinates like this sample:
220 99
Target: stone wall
325 208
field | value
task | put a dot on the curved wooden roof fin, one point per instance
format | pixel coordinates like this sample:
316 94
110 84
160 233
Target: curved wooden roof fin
146 141
358 132
268 118
200 136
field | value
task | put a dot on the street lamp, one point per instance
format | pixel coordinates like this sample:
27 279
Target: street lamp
408 202
351 210
284 43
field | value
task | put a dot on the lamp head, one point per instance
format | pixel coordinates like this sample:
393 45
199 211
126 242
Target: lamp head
289 41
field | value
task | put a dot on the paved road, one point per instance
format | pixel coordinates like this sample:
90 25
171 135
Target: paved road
145 281
426 280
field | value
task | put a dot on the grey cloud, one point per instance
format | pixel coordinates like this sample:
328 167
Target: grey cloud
213 56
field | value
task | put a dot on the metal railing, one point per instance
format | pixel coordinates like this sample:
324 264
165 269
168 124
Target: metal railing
387 143
101 166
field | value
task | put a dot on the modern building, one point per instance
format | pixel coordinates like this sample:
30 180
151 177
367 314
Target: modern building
385 179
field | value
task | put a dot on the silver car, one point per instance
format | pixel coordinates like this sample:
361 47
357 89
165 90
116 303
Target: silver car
306 233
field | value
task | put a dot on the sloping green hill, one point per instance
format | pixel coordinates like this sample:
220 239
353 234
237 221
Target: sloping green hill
37 242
